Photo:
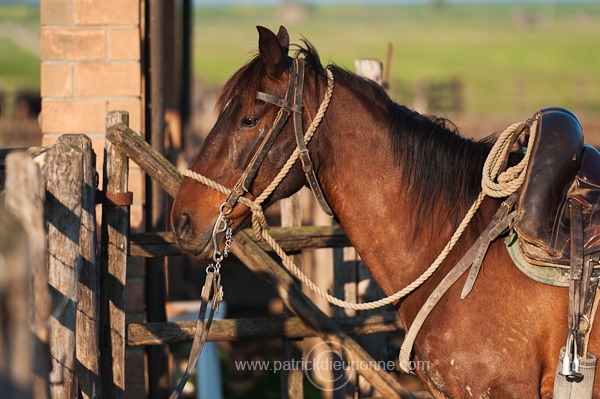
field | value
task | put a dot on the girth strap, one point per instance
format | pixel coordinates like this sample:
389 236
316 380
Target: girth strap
583 284
499 224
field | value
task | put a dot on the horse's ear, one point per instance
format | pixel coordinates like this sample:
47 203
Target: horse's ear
284 39
271 51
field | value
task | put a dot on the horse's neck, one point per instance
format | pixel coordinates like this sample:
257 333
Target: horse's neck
362 183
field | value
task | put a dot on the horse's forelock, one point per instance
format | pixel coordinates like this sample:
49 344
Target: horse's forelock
239 91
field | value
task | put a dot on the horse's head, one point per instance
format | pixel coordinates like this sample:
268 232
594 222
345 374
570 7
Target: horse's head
249 143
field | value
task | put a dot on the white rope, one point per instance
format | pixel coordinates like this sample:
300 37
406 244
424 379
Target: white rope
494 185
504 184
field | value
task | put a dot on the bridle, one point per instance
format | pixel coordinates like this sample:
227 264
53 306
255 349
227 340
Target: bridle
291 104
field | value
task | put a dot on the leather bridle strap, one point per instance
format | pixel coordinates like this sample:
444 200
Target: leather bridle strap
307 165
208 307
287 105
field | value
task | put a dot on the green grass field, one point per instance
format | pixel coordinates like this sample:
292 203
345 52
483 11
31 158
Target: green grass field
19 69
506 56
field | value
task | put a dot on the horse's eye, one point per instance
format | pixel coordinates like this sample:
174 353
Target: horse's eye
249 122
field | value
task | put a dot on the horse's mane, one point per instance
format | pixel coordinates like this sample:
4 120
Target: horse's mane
438 162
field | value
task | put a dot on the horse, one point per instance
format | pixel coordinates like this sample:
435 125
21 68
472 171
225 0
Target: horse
398 183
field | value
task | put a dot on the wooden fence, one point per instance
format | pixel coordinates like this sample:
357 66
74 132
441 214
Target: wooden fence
77 317
310 321
54 200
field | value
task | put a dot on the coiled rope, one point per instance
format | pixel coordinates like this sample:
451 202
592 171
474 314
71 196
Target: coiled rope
493 185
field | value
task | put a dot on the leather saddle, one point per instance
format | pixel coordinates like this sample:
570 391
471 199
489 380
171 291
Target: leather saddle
558 221
561 170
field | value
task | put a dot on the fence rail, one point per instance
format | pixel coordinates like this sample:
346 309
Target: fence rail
291 239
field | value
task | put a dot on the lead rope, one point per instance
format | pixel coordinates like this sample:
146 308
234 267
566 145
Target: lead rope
507 183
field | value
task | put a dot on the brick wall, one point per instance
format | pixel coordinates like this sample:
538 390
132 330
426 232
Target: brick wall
91 64
90 53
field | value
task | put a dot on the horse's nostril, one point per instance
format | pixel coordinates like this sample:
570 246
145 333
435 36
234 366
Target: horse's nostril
183 228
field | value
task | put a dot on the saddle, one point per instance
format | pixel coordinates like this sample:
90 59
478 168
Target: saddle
557 221
561 171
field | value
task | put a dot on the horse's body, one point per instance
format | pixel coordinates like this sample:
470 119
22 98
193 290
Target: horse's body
398 184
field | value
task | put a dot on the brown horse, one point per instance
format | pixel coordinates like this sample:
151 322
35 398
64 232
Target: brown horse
398 183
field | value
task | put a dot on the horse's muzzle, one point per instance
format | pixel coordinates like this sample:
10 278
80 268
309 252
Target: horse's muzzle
187 236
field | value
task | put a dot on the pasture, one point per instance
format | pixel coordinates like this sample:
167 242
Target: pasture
19 69
510 58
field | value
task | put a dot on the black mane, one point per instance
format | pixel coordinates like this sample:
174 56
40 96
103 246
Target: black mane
438 163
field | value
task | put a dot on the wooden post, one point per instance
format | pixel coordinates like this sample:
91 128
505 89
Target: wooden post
24 195
370 68
63 173
16 349
88 316
115 230
420 101
292 378
159 378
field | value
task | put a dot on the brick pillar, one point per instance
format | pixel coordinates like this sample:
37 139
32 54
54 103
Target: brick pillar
90 53
91 64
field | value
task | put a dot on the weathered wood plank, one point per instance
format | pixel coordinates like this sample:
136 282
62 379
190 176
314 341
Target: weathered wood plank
115 228
88 317
256 328
33 151
16 352
23 249
291 239
63 173
151 161
292 379
24 196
